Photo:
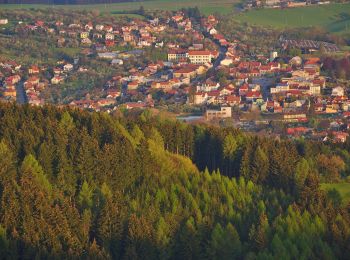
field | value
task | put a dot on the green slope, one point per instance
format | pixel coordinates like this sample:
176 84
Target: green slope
335 17
206 6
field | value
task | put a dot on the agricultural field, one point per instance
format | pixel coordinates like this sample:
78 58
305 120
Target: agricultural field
342 188
334 17
205 6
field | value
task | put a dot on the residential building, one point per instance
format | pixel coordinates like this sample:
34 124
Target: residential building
224 112
177 55
84 35
200 57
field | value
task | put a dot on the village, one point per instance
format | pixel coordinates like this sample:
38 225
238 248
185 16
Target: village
282 3
201 72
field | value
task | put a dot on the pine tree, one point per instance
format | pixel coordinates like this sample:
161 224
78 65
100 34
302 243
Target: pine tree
85 196
260 166
110 228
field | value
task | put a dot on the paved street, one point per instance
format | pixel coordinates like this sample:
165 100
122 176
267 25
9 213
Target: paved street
21 96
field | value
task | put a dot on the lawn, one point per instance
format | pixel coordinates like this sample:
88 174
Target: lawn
342 188
205 6
334 17
132 16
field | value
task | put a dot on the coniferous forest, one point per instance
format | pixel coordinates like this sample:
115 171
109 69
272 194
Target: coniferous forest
75 184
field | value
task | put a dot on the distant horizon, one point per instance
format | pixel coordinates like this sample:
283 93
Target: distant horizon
66 2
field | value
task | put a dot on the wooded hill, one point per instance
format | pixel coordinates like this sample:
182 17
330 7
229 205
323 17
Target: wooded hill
75 184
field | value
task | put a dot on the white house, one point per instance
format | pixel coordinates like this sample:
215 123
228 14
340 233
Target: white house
226 62
68 67
338 92
117 62
4 21
200 98
109 36
99 27
213 31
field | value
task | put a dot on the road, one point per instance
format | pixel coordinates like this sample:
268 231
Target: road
265 84
21 97
222 55
222 50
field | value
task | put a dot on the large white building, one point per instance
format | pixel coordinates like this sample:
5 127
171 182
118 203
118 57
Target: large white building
200 57
177 55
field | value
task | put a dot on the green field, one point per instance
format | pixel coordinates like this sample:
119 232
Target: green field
133 16
205 6
334 17
342 188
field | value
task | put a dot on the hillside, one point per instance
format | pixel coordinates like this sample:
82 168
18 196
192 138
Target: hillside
61 2
75 184
334 18
205 6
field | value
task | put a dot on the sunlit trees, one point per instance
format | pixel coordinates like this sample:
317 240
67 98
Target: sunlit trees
75 184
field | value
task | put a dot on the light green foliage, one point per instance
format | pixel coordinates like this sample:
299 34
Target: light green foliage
85 196
230 146
109 196
31 169
106 191
342 188
137 134
66 123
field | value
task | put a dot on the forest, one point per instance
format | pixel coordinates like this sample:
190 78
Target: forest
135 185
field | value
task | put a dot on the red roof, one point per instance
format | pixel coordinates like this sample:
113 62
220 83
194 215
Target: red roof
312 61
135 105
194 52
219 36
214 93
244 87
232 98
185 70
346 113
297 130
177 51
253 94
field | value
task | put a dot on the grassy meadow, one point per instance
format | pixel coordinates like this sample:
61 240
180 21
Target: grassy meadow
334 18
206 6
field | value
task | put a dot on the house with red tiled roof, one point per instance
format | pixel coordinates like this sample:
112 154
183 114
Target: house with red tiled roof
253 95
132 105
186 72
133 85
12 79
57 79
243 90
232 100
33 69
177 54
113 93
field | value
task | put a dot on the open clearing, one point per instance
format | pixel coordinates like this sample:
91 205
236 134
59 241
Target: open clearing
334 18
205 6
342 188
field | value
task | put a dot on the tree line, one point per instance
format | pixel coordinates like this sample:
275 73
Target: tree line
75 184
